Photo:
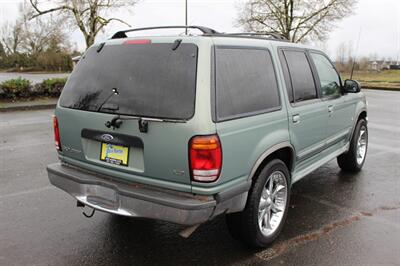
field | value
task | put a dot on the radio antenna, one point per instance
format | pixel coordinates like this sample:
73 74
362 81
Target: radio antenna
186 17
355 55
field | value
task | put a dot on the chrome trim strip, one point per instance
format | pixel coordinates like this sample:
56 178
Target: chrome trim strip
337 137
311 151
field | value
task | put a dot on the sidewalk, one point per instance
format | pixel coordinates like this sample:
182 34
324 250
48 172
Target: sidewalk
45 103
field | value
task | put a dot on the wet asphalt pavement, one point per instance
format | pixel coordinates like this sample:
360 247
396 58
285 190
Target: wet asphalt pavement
334 218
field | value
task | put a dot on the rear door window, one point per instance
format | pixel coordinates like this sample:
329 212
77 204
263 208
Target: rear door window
301 77
153 80
245 82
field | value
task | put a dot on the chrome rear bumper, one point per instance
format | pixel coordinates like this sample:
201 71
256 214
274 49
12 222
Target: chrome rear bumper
107 194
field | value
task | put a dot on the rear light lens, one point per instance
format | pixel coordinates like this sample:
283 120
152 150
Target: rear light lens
57 141
143 41
205 158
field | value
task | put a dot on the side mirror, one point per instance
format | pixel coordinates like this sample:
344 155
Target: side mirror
351 86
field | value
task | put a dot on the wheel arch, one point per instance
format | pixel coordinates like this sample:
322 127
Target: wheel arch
361 114
283 151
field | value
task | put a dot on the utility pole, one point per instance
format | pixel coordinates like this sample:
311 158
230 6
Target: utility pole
186 16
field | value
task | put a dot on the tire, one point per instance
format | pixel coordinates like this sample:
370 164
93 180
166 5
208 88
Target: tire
245 225
353 160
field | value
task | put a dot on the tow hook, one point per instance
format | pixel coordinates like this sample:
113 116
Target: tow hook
188 231
81 205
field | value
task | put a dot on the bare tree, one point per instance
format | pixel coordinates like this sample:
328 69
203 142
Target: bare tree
31 37
11 36
2 51
39 35
363 63
350 52
341 54
89 16
345 56
297 20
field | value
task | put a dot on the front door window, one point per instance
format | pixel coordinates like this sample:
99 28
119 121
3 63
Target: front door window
328 77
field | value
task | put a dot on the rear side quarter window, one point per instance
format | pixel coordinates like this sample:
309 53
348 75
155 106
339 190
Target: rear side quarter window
245 82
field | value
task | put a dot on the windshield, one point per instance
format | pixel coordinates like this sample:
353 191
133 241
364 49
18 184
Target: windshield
152 80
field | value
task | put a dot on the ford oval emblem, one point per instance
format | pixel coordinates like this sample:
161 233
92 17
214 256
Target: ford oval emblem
107 137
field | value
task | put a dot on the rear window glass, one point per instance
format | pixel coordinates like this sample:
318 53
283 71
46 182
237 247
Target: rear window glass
152 80
245 82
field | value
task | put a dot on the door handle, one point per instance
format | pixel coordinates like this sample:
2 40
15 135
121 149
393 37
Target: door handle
296 119
330 109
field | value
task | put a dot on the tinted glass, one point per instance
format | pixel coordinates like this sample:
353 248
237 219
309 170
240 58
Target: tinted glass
301 76
245 82
286 76
152 79
328 77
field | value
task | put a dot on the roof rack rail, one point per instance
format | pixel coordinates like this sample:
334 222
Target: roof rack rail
272 34
208 32
205 30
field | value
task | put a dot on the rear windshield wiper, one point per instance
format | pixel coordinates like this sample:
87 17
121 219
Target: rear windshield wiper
114 92
112 107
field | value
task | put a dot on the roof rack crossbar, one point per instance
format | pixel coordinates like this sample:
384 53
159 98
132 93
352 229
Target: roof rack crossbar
205 30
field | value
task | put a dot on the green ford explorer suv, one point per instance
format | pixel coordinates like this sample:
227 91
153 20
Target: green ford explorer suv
185 128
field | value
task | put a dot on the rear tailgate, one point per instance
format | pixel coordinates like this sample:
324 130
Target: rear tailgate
161 153
154 83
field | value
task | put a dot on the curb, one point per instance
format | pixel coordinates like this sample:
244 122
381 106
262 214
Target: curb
28 107
380 88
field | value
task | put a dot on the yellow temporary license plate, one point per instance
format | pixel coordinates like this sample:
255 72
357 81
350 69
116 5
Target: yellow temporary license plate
114 154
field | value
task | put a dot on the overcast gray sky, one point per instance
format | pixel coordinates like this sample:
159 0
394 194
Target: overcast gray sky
379 21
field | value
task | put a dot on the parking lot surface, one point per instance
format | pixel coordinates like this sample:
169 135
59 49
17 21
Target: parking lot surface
334 218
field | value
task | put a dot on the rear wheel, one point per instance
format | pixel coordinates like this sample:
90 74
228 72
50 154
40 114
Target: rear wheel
266 209
354 159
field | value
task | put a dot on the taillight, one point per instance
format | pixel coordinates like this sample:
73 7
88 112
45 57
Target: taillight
57 141
205 158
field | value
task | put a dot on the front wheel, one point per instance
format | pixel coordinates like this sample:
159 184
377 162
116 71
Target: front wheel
266 209
353 160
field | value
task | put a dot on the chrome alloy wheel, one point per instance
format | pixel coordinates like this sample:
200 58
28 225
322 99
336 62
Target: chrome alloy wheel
272 203
362 145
